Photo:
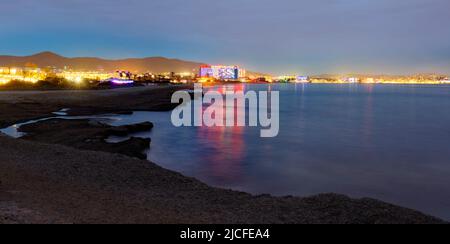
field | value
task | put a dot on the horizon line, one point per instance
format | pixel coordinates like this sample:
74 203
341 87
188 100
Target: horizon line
204 63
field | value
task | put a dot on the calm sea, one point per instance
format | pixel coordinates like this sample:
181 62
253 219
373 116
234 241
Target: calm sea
389 142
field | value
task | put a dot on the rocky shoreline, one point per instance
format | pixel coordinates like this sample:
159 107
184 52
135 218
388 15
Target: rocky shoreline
89 135
63 171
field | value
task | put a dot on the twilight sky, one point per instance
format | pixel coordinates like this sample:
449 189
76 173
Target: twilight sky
282 36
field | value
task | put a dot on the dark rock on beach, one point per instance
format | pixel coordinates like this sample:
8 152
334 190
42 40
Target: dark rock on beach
130 129
89 135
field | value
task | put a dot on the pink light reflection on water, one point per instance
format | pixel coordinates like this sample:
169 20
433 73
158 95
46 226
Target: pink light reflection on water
225 165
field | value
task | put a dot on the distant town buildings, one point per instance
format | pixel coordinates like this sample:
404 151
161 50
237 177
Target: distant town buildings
28 74
77 76
369 80
292 79
19 71
207 73
286 78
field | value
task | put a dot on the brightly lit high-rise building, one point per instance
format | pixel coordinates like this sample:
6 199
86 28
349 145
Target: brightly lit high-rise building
222 72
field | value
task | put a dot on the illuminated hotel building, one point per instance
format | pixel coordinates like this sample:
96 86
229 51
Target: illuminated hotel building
352 80
302 79
222 72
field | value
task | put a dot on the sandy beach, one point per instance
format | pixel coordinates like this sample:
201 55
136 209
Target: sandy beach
45 179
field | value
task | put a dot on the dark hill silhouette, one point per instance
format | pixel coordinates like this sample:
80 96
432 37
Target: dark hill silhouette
151 64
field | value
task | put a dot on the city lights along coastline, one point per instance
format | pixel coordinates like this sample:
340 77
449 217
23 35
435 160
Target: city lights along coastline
96 71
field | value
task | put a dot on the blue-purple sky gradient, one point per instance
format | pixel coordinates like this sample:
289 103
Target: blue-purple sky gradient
283 36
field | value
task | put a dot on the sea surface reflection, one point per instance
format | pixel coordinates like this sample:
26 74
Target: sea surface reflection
385 141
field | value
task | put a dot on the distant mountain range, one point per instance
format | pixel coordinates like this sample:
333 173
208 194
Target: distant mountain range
140 65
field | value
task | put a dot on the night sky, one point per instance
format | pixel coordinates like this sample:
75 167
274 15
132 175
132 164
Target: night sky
283 36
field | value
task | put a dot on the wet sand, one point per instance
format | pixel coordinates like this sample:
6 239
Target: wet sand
48 180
